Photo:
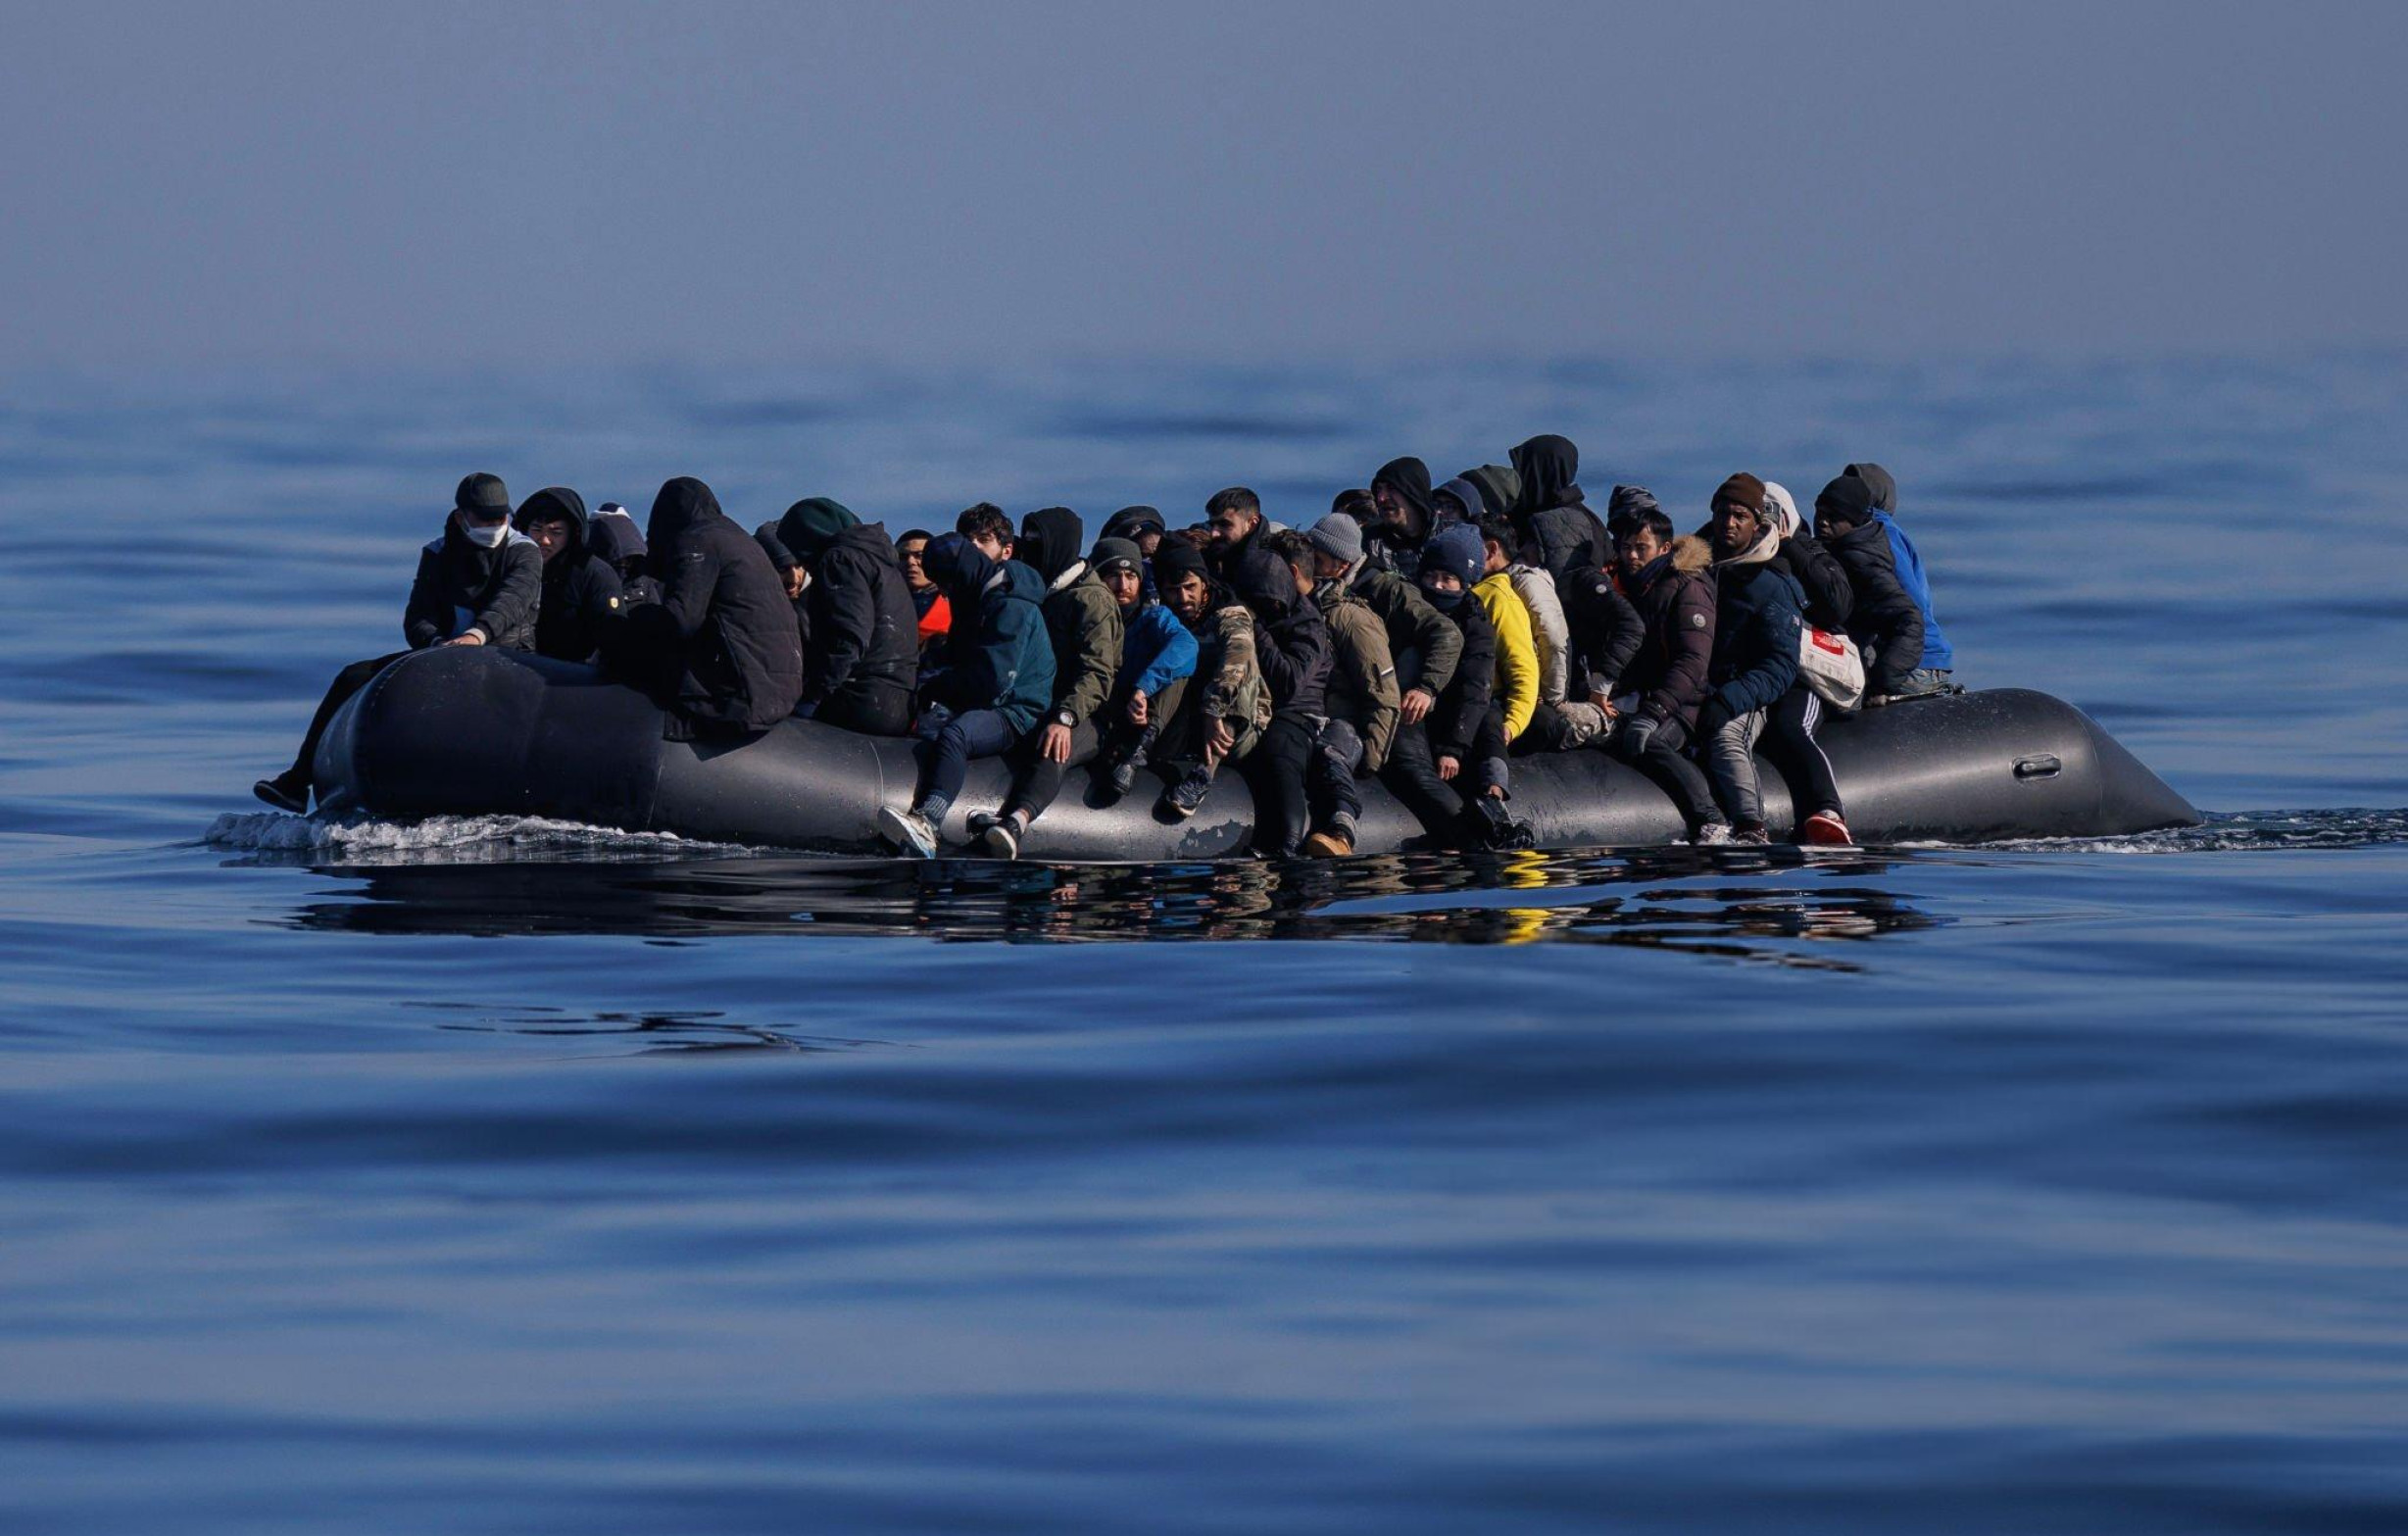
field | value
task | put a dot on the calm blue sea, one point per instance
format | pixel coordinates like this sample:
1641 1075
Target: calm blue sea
494 1176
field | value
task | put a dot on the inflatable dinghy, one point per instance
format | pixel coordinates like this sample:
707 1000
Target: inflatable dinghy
464 731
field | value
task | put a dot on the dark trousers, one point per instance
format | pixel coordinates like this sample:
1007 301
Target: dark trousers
946 761
1275 770
1037 783
876 712
350 681
1789 736
1665 767
1487 767
1329 785
1412 775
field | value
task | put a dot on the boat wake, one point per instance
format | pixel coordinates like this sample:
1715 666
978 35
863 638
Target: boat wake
273 837
2241 831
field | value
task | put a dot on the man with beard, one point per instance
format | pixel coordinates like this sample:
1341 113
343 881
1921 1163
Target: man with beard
1759 613
1400 490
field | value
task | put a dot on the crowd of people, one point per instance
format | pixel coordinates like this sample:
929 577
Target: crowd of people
1423 635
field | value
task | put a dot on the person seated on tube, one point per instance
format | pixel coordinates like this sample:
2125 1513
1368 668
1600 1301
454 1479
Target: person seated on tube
936 615
581 592
860 658
1602 632
720 651
1759 619
1425 647
480 582
614 536
1792 725
997 680
1083 623
1360 722
1671 584
1467 729
1885 620
1933 673
1560 534
1157 657
1544 727
1227 704
1292 647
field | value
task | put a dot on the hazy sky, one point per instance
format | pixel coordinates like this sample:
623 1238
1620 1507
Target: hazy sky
197 184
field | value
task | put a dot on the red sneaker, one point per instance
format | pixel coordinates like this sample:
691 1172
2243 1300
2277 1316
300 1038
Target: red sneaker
1823 830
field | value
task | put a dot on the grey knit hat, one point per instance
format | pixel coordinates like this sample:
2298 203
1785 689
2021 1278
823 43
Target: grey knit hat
1338 536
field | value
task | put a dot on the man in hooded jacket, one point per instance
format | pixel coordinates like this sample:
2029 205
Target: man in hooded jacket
1933 673
1559 531
1292 646
613 537
1671 584
1758 619
721 650
1083 623
1400 490
1793 723
480 582
997 679
1360 699
861 629
581 592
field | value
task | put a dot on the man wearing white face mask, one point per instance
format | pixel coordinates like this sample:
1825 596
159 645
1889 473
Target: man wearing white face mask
480 582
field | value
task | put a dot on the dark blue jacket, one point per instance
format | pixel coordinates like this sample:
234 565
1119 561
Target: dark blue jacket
999 654
1936 651
1758 615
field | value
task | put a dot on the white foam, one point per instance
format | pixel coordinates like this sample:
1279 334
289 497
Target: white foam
463 839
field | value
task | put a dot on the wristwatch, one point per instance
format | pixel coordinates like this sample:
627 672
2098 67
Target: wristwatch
1065 718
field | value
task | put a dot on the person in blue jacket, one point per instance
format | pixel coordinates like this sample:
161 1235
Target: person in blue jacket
998 677
1938 657
1758 616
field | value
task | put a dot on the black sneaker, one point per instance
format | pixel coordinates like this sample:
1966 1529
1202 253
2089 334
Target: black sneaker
284 793
1182 798
1121 776
999 838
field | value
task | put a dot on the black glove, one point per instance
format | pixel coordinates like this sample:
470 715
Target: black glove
1630 742
1711 718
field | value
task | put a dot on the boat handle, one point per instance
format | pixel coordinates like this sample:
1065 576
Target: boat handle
2043 766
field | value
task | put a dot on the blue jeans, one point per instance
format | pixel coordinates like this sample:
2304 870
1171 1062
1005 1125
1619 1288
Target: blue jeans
979 734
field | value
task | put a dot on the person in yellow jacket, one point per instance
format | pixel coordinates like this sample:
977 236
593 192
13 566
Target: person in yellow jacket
1518 653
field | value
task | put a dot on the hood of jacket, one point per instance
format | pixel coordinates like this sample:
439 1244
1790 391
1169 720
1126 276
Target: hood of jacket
1884 490
551 503
683 503
1130 522
780 553
814 523
1467 491
1689 555
1265 586
1549 467
1500 488
1783 508
1409 478
615 537
1051 541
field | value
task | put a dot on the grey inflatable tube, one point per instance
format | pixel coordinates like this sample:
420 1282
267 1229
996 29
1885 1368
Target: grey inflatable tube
470 732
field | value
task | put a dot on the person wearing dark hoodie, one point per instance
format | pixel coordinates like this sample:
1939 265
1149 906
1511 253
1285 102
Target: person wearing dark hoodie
1625 509
1671 583
1559 531
1603 633
999 681
1500 487
1401 489
1885 621
720 651
936 615
1465 731
1157 657
1292 646
1793 724
614 536
1082 624
1758 614
860 664
480 582
1933 675
1144 528
581 594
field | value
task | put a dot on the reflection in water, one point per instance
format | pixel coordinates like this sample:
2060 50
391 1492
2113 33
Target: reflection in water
1754 905
660 1034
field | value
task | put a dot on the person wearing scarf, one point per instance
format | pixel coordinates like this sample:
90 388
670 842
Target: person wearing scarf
1757 621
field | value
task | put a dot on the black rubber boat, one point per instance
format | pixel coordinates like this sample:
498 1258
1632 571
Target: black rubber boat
469 732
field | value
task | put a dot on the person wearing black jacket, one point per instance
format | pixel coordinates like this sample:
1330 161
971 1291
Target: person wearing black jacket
1560 533
1464 729
1671 583
1400 492
860 662
1292 646
613 535
1886 621
1604 632
581 591
721 650
1756 631
480 582
1792 725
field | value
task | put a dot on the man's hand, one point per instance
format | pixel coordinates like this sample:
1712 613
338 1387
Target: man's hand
472 637
1417 704
1604 703
1136 708
1448 768
1055 747
1220 737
